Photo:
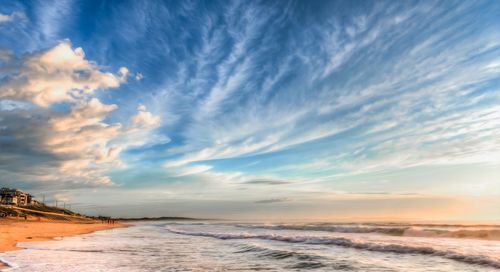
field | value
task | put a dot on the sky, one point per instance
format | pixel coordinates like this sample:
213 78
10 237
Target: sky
271 110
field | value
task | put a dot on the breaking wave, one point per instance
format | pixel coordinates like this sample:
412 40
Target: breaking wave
303 260
449 231
344 242
397 231
278 254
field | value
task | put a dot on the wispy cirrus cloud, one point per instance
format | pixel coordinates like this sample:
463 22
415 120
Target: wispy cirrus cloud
403 99
53 15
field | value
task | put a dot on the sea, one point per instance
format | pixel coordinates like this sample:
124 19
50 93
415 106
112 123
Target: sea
243 246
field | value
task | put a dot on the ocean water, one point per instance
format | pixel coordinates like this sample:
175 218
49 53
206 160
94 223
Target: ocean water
230 246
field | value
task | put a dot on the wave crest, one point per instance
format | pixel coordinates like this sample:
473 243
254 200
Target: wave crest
408 230
344 242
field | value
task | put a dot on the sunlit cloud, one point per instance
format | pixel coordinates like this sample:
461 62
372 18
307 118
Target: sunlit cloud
79 145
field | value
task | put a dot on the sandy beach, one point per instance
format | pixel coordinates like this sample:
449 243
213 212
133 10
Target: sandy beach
13 231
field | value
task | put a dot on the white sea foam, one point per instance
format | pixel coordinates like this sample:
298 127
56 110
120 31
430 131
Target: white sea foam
491 232
344 242
10 265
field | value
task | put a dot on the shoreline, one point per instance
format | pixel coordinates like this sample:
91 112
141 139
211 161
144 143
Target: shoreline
13 231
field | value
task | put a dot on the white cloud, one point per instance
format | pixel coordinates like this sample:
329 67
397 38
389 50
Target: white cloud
4 18
141 107
59 74
5 55
144 119
138 76
80 145
84 113
191 170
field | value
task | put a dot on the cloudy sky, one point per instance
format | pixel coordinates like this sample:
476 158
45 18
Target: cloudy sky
248 109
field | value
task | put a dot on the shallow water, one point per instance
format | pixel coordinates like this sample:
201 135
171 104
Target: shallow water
222 246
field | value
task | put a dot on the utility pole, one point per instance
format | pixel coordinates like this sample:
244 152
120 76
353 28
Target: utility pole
64 205
56 203
43 201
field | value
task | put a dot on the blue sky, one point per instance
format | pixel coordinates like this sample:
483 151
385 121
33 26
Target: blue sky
285 109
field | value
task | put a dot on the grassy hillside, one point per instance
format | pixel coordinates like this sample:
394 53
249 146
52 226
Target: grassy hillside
44 208
48 212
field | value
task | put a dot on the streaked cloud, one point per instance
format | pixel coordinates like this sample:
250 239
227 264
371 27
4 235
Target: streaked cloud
267 182
4 18
271 200
186 171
